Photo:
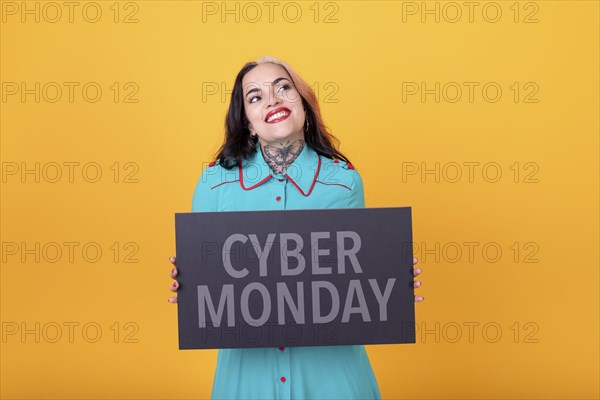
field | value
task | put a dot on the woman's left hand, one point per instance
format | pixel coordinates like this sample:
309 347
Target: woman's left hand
417 284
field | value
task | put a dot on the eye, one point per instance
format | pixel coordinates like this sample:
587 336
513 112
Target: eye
285 87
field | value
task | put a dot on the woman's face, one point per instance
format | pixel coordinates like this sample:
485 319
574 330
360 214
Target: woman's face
272 104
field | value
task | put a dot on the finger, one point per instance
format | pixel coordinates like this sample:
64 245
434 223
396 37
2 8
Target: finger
172 259
174 272
415 260
416 284
416 271
172 299
419 298
174 286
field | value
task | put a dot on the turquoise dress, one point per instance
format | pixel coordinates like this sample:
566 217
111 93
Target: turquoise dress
310 372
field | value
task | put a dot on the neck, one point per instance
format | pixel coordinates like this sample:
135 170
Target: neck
279 156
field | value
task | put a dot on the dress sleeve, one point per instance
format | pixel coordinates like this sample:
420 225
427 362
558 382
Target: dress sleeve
205 198
357 195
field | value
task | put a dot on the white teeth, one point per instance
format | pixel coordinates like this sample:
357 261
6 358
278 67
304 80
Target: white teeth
277 115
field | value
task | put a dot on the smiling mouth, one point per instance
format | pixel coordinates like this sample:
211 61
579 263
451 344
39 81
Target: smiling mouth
278 116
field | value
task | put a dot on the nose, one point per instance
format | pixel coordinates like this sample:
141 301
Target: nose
274 98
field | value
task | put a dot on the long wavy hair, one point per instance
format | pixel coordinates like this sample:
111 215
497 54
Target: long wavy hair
238 143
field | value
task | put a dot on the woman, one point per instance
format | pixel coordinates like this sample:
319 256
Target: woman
278 155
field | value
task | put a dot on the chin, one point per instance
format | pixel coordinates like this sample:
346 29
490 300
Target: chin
283 135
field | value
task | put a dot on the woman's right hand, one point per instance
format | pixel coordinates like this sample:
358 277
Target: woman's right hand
175 285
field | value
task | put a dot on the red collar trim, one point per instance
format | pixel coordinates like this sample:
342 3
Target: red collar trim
242 179
286 175
313 182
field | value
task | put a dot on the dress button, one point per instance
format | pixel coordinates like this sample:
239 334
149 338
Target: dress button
336 161
350 166
278 198
211 164
283 379
280 180
281 348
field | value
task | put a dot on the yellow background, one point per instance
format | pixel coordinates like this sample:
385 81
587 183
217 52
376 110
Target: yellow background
547 310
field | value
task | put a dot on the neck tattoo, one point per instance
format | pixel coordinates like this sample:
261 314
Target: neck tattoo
281 157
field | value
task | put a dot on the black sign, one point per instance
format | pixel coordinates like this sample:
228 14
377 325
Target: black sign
295 277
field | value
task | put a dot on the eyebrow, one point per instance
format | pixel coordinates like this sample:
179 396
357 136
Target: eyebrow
258 89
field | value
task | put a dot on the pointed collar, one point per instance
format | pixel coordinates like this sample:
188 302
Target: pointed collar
302 173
